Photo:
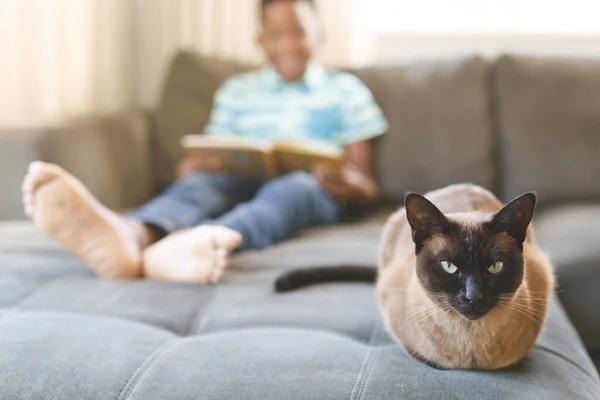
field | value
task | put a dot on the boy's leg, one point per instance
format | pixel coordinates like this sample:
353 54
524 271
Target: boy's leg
194 199
281 209
63 208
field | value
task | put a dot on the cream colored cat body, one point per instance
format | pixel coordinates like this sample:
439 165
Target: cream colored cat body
424 321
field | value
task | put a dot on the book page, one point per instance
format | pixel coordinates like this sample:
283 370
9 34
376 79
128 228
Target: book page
223 142
233 155
292 156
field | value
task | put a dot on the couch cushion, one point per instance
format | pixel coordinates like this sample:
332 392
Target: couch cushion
66 334
440 127
111 152
549 124
570 235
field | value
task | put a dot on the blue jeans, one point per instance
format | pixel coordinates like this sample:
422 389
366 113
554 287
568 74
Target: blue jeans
264 213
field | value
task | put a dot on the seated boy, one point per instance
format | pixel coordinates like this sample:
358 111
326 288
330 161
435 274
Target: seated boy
188 232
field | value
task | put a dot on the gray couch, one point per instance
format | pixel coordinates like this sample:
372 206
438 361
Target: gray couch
512 125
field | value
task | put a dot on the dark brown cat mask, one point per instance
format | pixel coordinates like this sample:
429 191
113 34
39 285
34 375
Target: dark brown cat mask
471 264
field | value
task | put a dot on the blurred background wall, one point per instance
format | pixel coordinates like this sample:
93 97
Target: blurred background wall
60 58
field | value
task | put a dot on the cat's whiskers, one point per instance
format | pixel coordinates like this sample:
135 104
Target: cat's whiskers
422 313
539 322
431 294
528 308
436 314
409 313
407 320
539 303
433 317
531 316
534 315
513 313
504 296
446 311
528 300
545 293
395 289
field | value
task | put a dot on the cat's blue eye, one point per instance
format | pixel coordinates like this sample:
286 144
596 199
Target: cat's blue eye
496 268
448 267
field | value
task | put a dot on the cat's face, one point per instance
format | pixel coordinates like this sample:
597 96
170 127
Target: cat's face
469 266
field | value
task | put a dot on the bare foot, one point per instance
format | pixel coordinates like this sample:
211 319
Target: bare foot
65 210
198 255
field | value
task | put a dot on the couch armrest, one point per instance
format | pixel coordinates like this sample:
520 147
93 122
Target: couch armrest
110 154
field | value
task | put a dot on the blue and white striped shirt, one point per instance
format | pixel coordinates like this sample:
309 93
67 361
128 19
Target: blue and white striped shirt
329 107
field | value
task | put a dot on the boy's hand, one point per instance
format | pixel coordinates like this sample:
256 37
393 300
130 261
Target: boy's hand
347 183
189 165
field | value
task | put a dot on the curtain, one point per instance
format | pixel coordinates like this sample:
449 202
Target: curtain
223 28
63 57
60 58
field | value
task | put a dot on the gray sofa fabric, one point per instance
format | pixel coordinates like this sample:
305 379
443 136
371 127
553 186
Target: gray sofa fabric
66 334
111 154
185 105
18 147
548 120
440 131
570 235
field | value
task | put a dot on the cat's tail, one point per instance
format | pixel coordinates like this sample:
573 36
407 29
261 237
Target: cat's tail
299 278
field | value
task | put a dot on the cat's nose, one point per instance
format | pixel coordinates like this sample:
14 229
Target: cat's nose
474 297
473 292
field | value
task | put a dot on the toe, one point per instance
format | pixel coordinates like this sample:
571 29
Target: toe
37 171
218 271
27 184
221 264
216 275
38 174
40 171
28 199
227 238
222 254
36 166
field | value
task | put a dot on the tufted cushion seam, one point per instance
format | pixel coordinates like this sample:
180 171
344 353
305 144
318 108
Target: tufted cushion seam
88 316
562 357
375 358
31 295
140 372
328 332
364 368
200 312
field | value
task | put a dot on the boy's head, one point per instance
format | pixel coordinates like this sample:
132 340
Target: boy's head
290 32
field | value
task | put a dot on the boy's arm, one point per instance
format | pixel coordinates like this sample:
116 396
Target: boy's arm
360 155
354 182
188 165
361 121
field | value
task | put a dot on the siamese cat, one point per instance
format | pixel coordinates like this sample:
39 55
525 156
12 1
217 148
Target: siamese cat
461 283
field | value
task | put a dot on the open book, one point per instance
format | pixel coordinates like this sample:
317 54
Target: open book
260 159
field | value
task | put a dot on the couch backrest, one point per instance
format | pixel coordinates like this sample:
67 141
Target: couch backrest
440 131
438 113
548 114
522 124
185 105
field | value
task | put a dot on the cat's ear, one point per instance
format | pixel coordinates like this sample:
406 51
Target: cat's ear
515 217
425 219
